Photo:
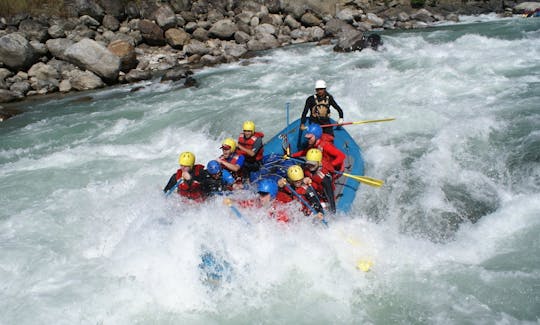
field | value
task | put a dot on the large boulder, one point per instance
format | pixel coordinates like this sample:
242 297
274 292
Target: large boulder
58 47
165 17
90 55
151 33
177 38
33 30
126 52
16 52
349 40
223 29
84 80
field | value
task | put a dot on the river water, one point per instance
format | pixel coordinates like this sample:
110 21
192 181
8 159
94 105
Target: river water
87 237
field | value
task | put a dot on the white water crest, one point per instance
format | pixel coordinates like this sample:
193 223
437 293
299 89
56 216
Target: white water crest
87 236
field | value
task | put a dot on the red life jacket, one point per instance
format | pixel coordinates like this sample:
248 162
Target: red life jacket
233 159
192 189
285 196
248 143
317 179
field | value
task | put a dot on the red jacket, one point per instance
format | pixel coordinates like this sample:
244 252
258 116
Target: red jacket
249 143
331 156
286 196
191 189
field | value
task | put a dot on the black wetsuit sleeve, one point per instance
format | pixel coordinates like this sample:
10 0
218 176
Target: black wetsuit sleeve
257 145
313 200
171 183
310 102
329 192
333 103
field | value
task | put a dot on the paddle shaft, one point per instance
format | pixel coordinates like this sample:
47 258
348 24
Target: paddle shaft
174 187
358 122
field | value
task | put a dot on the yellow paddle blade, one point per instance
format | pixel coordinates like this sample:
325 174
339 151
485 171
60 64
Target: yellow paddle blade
373 121
366 180
364 265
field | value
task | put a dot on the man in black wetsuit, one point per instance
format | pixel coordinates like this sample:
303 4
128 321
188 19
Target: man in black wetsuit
318 106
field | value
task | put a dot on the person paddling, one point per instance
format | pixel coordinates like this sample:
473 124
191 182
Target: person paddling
332 157
267 190
187 178
320 177
231 161
216 180
295 188
250 145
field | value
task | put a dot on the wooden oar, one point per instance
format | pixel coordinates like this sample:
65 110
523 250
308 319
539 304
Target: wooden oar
358 122
364 179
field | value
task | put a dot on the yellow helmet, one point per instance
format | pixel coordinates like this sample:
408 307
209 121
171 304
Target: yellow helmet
249 126
229 142
186 159
295 173
314 154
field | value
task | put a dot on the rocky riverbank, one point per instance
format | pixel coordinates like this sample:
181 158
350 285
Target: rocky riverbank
98 43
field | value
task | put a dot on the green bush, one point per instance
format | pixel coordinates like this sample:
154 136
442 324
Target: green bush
417 3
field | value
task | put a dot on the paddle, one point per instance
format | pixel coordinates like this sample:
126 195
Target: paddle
172 189
234 209
289 187
364 179
358 122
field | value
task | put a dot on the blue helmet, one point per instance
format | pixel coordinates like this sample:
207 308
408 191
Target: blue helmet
213 167
268 185
314 129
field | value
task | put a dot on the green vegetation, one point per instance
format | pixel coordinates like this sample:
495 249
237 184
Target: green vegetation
417 3
33 7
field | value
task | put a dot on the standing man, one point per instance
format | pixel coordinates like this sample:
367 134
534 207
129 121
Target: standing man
318 106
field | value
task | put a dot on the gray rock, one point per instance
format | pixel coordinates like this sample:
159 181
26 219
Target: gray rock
85 80
265 29
56 31
266 41
177 38
223 29
16 52
88 21
291 22
58 47
126 52
39 48
138 75
196 47
151 33
165 17
310 19
90 55
241 37
201 34
21 87
7 96
234 50
33 30
111 23
64 86
43 71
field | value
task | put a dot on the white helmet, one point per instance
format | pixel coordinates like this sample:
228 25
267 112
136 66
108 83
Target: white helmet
320 84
